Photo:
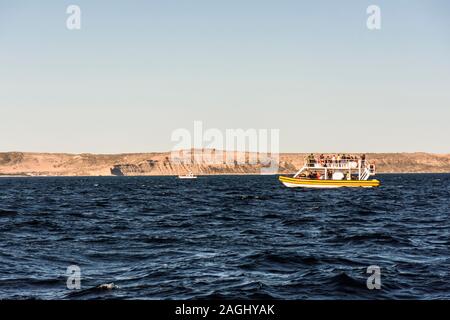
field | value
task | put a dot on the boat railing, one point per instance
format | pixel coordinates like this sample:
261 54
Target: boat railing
337 164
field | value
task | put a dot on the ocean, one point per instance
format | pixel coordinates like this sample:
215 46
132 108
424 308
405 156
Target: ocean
223 237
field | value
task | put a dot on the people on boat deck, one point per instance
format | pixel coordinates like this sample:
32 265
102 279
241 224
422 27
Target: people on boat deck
311 160
334 160
313 175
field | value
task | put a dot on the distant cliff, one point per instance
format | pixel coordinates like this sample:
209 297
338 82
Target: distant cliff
139 164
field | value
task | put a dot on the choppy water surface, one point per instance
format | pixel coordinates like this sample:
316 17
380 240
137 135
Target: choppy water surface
223 237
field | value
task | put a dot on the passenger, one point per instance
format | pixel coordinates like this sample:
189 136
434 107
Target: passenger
322 159
312 160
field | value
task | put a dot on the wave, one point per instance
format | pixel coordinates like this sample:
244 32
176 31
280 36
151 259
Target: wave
375 237
8 213
278 262
345 281
99 289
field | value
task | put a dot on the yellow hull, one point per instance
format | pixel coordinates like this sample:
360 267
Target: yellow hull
310 183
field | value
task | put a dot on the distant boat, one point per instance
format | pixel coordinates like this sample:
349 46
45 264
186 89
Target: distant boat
190 175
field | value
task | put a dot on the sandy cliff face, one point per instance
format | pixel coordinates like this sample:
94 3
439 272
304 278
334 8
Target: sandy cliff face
411 162
49 164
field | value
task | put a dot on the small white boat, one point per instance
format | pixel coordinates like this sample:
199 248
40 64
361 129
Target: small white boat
190 175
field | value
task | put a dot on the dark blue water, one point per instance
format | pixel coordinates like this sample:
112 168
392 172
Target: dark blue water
223 237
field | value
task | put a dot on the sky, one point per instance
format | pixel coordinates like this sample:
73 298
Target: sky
137 71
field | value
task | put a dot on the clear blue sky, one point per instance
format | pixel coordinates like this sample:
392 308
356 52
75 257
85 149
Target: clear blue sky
137 70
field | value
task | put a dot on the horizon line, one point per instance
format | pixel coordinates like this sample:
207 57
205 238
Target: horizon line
213 149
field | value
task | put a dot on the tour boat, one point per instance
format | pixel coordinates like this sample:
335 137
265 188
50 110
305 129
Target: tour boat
190 175
333 174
